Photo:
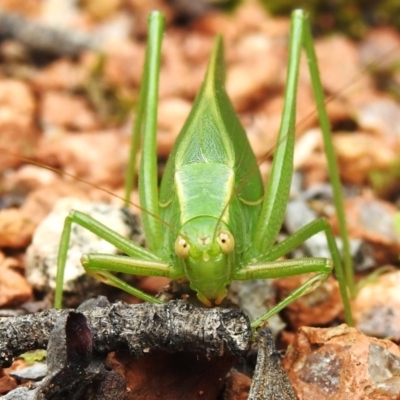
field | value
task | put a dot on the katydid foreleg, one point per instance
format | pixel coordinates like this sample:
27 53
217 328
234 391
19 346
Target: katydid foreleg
146 262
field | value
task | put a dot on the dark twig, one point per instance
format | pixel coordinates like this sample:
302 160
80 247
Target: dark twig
78 341
174 326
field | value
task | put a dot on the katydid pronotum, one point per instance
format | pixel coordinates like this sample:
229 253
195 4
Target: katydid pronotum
212 222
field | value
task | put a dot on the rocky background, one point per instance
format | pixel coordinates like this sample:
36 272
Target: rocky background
69 82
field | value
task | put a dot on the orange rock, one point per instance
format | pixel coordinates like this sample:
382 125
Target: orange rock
237 386
172 114
28 8
358 153
379 49
266 60
61 109
17 126
376 309
373 221
124 64
18 224
7 384
14 288
15 230
153 284
339 74
340 364
319 307
62 74
98 157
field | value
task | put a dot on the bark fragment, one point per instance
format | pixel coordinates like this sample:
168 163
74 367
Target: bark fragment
175 326
270 380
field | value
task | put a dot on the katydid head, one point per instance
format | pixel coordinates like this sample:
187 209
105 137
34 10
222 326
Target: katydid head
207 257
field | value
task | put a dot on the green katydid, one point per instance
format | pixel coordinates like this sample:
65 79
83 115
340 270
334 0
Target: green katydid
212 221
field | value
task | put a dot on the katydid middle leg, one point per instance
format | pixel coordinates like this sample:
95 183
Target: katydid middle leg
264 267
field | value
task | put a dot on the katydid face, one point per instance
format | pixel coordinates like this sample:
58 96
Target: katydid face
206 246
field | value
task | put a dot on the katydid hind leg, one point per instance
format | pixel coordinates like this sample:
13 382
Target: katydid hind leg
145 131
278 186
277 190
333 169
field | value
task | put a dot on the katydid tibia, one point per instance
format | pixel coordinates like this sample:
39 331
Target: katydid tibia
212 222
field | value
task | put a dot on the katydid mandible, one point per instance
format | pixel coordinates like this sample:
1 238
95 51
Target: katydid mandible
212 221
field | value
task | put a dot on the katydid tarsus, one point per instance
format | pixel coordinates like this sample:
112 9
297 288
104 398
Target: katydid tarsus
212 221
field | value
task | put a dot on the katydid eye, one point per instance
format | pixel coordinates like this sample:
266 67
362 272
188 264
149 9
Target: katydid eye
182 247
226 242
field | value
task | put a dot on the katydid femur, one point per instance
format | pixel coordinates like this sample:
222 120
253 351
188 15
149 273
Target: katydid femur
212 221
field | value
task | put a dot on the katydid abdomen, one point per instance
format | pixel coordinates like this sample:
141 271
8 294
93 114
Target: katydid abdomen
211 190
